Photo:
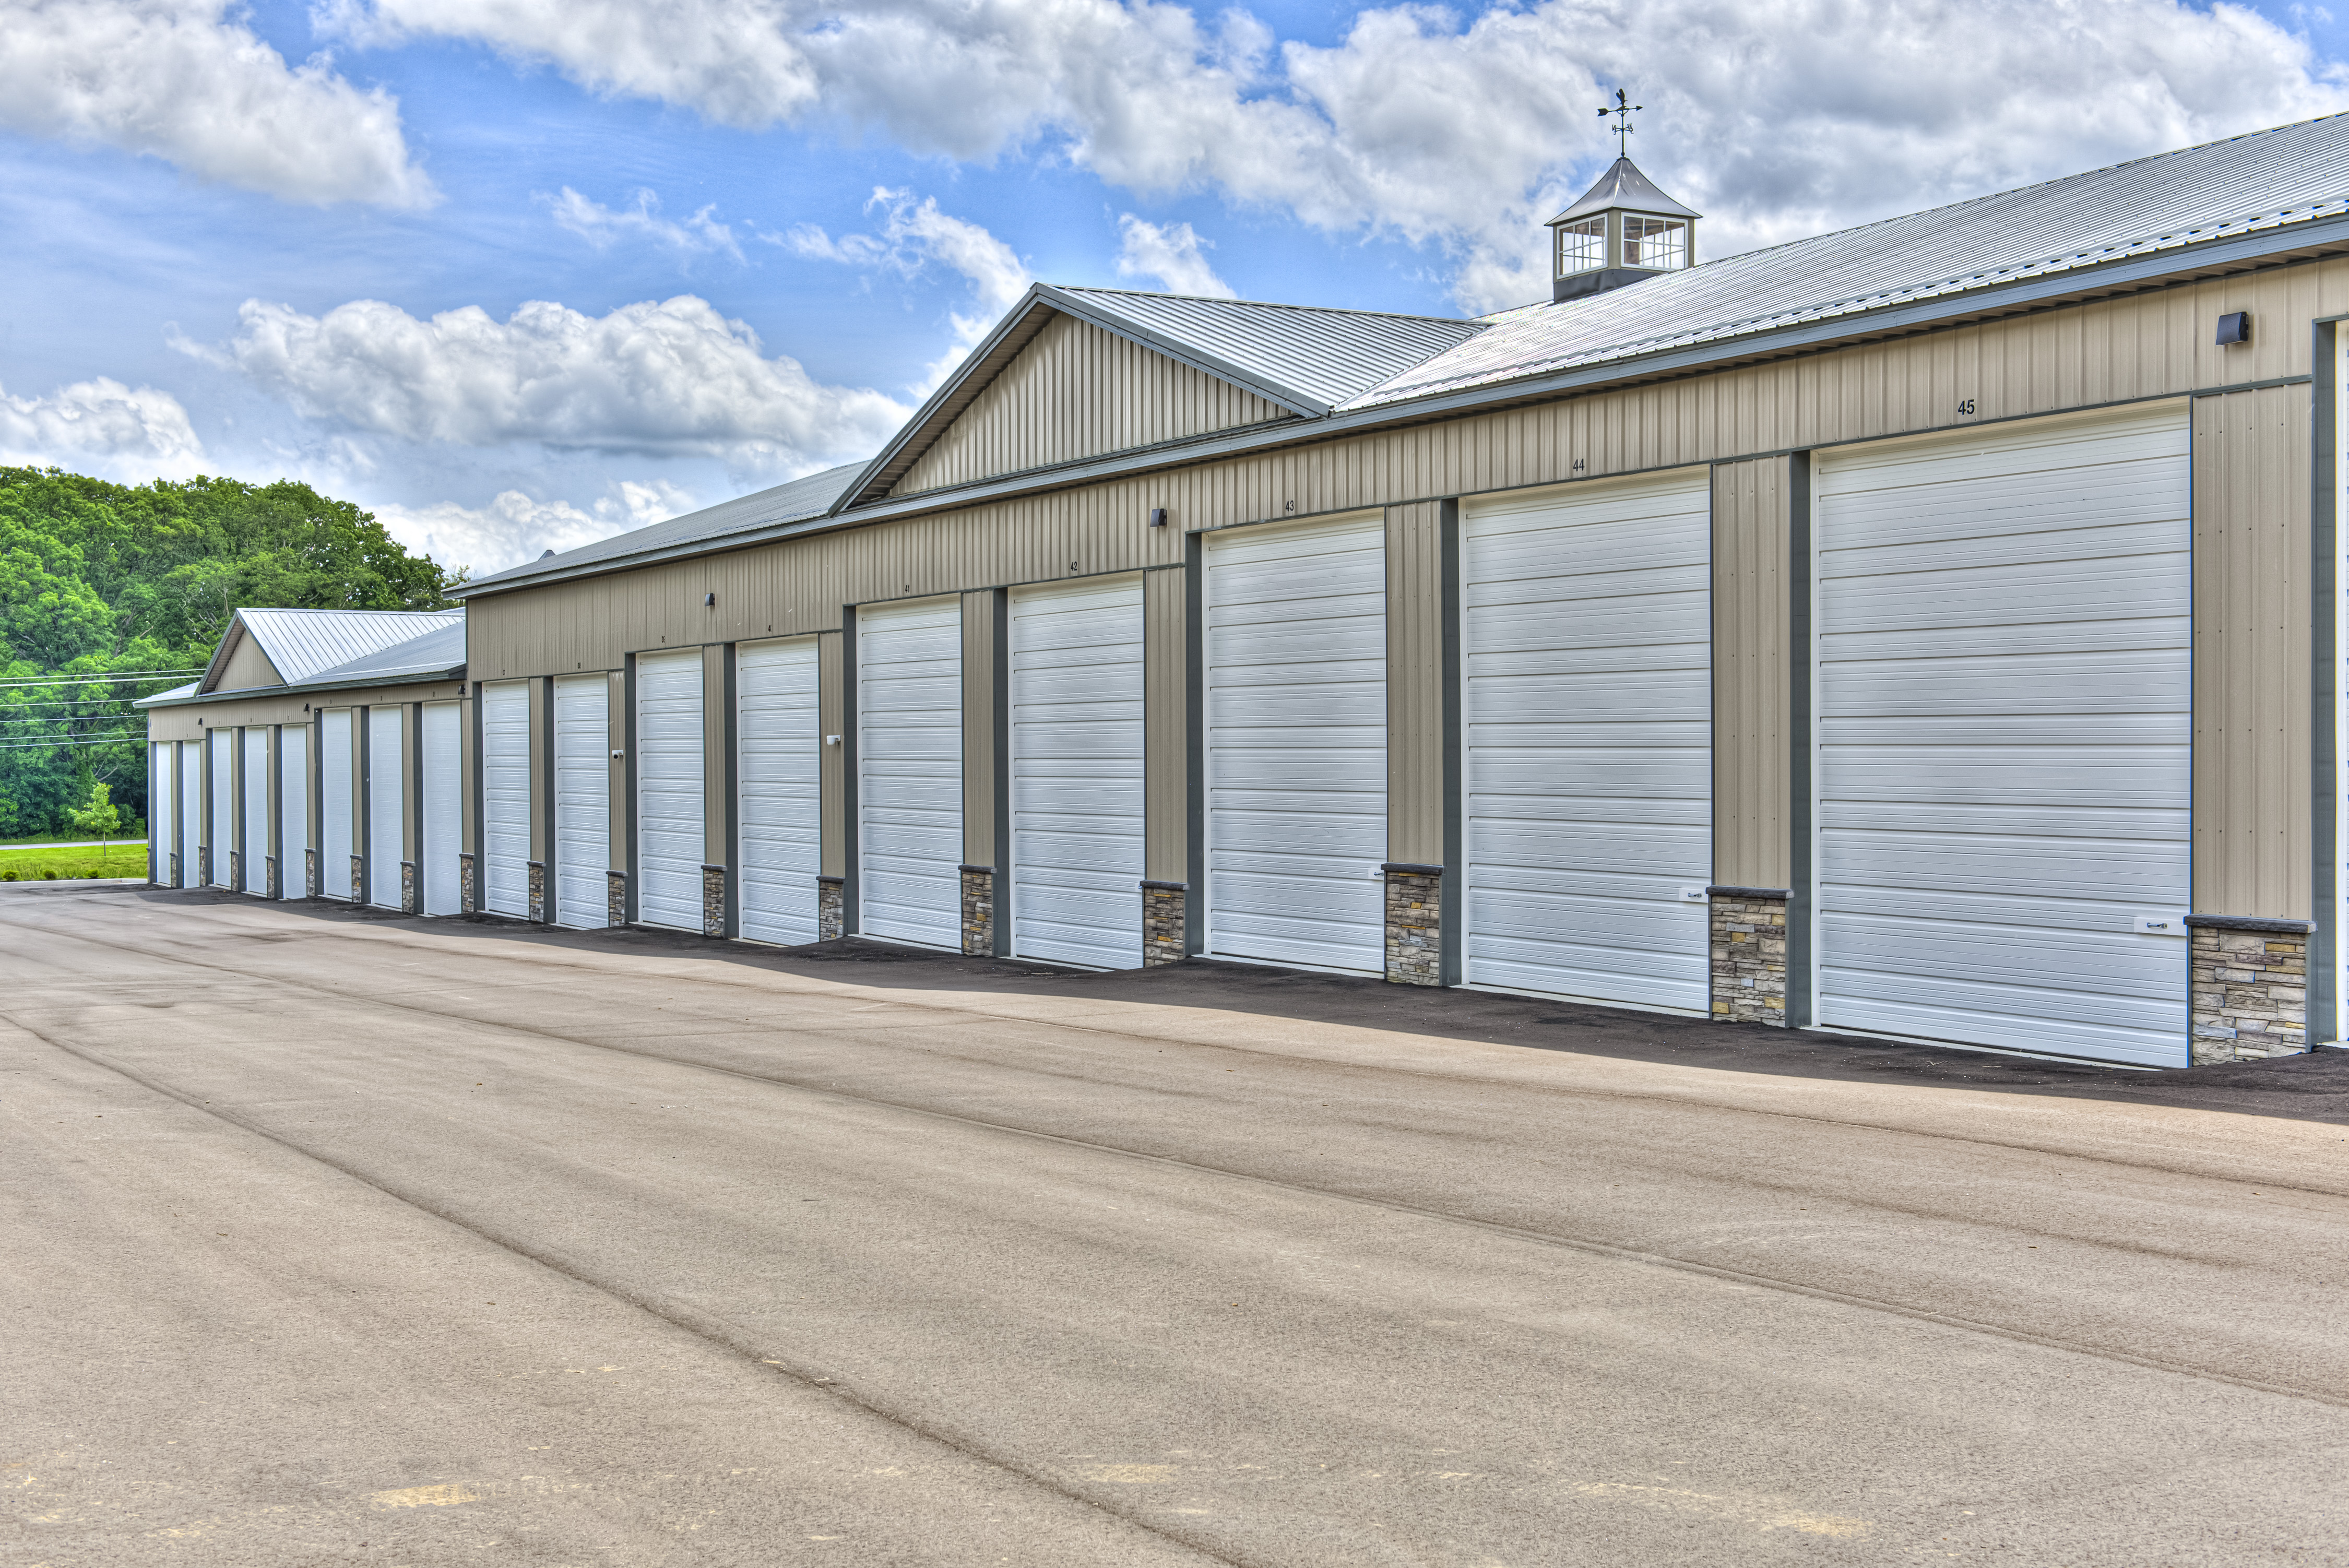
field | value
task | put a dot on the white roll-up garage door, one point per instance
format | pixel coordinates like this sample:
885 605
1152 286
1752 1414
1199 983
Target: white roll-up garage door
223 752
294 811
671 847
909 771
505 798
1587 730
442 871
257 847
192 813
335 828
1076 773
583 801
160 819
1297 744
386 764
2004 732
779 788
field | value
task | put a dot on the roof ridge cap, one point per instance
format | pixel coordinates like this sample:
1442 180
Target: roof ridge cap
1264 304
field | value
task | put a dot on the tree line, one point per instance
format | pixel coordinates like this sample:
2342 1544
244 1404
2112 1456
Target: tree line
109 593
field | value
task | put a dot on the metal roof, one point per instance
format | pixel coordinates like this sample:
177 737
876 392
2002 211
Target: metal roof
302 643
2265 179
802 497
1623 186
438 652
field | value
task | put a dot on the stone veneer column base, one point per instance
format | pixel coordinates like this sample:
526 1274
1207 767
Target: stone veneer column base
410 898
2247 989
713 901
1414 923
466 900
309 873
1165 922
358 880
235 870
269 876
537 892
830 908
615 899
174 868
1749 954
979 910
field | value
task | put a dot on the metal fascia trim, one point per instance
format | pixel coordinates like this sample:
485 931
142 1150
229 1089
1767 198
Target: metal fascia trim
1176 349
939 400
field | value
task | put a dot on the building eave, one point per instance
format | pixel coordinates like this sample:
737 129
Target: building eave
255 694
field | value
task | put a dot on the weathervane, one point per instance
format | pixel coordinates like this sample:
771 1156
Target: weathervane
1623 111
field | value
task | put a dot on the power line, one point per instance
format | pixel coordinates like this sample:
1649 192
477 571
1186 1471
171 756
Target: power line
95 680
55 745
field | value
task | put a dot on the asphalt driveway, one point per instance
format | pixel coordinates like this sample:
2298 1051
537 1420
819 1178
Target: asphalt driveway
334 1237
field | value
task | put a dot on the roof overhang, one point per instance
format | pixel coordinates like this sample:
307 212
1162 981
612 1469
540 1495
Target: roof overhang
294 689
2167 267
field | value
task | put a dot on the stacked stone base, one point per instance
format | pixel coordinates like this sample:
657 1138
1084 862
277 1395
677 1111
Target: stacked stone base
2247 988
358 880
469 896
269 876
1749 954
237 870
1414 924
615 899
309 873
978 909
175 881
713 901
1166 923
537 892
411 895
831 908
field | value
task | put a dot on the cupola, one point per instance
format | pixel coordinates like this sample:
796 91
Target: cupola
1623 229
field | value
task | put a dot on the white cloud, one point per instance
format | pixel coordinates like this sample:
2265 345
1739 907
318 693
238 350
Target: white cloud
674 379
1169 254
514 528
101 426
1774 117
600 226
915 233
177 79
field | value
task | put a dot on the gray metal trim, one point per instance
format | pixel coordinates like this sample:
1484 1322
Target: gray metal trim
976 871
852 913
1166 886
1452 896
1800 896
1747 892
363 807
2321 1018
1406 867
628 783
2251 923
322 689
1194 747
1000 679
730 777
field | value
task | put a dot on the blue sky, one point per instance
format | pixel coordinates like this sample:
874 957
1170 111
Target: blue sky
234 236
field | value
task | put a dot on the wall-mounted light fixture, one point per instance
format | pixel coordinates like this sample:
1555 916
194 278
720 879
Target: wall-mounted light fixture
1157 517
2235 327
709 601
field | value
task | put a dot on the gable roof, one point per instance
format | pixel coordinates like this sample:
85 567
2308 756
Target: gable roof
434 648
1307 358
2265 179
301 644
812 496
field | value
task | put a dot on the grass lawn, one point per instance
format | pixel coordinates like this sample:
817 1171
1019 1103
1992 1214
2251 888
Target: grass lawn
116 861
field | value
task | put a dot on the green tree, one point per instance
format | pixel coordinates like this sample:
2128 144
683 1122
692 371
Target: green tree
98 813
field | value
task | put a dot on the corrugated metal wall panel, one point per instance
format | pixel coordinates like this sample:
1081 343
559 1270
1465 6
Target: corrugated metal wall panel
1166 744
1076 392
2252 799
1749 671
1415 683
978 762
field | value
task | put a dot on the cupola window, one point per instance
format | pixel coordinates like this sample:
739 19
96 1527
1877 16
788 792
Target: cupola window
1623 231
1659 245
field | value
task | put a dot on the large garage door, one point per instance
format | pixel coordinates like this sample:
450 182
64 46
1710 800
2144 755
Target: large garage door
160 819
257 847
2004 724
1297 744
505 798
1076 773
1586 719
779 788
669 845
583 801
909 771
387 766
444 809
335 839
223 752
294 811
192 813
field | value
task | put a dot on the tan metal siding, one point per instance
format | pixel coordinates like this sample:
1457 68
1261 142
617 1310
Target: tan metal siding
1166 728
979 616
714 848
1750 693
1076 391
247 667
832 704
2252 758
541 773
616 802
1415 683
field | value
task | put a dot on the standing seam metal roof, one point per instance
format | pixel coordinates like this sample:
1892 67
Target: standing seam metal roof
303 643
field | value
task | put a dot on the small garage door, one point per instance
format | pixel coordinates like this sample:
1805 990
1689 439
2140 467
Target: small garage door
335 839
160 818
909 771
2004 728
293 809
671 847
778 786
583 801
444 808
257 847
192 813
1297 744
505 798
222 750
386 764
1586 723
1076 773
